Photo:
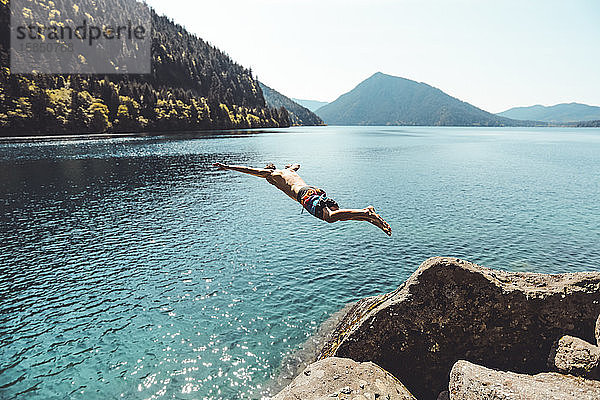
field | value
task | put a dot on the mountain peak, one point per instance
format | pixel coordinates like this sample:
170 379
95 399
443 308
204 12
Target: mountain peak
385 99
381 75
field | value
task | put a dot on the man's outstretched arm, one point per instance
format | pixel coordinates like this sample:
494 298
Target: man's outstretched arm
260 172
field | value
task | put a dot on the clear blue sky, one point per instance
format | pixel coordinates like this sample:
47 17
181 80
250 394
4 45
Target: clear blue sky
493 54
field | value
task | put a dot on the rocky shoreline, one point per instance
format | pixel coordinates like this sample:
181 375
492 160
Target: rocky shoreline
458 330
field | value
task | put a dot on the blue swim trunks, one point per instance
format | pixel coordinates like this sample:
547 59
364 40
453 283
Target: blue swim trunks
314 200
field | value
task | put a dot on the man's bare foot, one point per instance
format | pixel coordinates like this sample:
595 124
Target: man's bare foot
379 222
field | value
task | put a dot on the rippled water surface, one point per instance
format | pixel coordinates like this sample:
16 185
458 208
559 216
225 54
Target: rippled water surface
131 268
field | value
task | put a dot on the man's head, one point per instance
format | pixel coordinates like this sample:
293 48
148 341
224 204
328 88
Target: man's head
270 166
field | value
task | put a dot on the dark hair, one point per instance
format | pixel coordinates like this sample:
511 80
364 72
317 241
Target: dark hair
270 166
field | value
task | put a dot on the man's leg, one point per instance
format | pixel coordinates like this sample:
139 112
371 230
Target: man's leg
366 214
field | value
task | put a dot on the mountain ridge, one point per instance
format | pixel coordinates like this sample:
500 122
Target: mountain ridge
312 105
558 113
384 99
299 115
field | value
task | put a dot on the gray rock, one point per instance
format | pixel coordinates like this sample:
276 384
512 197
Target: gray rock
342 378
451 309
576 357
444 396
473 382
598 331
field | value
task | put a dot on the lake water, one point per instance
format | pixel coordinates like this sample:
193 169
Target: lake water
130 268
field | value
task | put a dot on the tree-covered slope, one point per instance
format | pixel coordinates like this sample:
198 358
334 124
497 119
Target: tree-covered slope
298 115
559 113
193 85
388 100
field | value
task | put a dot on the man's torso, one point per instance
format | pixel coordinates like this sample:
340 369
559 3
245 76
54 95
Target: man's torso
287 181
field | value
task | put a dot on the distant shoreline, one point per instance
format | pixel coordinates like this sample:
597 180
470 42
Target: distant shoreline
95 136
67 137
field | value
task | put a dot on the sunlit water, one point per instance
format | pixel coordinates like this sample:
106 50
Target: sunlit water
131 268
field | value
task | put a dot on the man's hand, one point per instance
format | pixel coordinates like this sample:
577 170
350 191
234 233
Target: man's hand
293 167
222 167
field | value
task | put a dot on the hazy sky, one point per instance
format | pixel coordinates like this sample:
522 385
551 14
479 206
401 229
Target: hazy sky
493 54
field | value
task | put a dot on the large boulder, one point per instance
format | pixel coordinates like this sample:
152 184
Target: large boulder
576 357
451 309
342 378
473 382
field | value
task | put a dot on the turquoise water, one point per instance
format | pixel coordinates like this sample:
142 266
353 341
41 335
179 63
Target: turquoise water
132 269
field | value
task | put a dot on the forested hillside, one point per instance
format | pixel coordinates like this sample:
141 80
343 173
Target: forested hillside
193 85
299 115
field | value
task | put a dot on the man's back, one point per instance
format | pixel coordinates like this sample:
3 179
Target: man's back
286 180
